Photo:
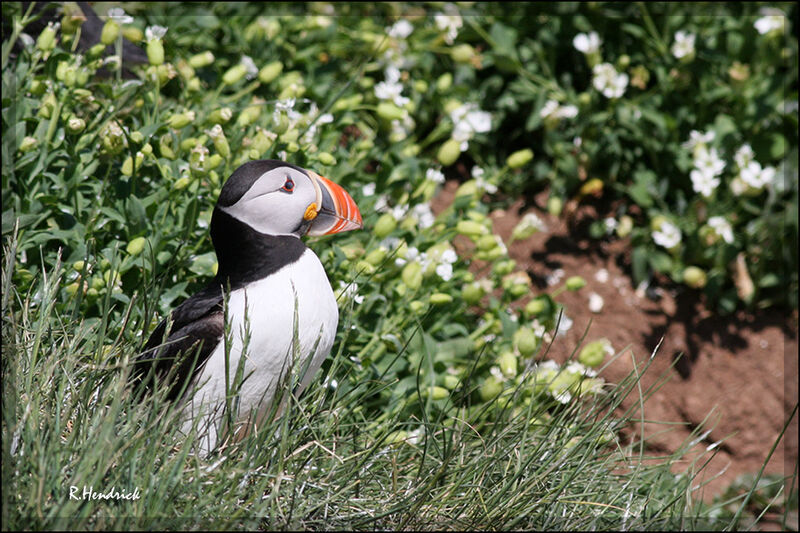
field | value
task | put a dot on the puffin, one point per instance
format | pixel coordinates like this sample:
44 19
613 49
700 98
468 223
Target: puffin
270 291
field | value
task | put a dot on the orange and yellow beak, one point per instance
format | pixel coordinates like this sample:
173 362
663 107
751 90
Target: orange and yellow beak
334 210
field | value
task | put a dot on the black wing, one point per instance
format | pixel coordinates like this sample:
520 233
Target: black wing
197 328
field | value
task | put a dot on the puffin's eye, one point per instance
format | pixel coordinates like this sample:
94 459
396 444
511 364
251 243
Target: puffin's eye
288 186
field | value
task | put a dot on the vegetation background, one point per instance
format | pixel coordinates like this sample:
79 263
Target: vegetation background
440 407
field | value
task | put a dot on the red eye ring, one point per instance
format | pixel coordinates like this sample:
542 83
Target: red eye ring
288 186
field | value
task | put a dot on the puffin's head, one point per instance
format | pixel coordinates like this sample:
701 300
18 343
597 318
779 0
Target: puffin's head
277 198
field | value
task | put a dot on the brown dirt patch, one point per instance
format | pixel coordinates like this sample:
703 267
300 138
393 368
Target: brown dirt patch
737 375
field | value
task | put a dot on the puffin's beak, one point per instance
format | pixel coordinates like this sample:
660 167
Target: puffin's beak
336 209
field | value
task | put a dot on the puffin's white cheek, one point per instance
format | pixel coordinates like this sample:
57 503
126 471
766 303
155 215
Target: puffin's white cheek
272 214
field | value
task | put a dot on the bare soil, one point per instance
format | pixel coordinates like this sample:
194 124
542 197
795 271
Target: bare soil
733 375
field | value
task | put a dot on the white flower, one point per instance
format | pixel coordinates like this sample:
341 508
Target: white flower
769 23
595 302
469 120
703 182
553 110
481 183
683 45
708 161
434 175
250 67
449 257
564 325
391 90
424 215
349 291
667 236
743 156
722 228
400 29
611 224
755 176
445 271
608 81
449 22
118 14
154 33
477 172
368 189
587 43
697 138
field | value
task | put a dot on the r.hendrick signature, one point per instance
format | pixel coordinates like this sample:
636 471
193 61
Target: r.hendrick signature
90 494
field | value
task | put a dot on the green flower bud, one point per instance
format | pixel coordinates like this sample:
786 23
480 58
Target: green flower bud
385 225
507 361
220 116
444 82
396 437
376 256
437 393
694 277
270 71
440 298
592 354
554 205
412 275
47 39
364 267
486 242
181 183
352 251
625 226
110 32
326 159
96 51
181 120
471 228
28 143
520 158
525 341
462 53
449 152
575 283
490 388
78 266
165 146
503 268
389 111
155 52
133 34
98 283
536 306
472 293
213 161
416 306
420 86
234 74
450 381
262 141
135 246
203 59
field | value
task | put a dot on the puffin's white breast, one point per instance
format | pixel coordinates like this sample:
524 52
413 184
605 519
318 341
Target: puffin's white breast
270 313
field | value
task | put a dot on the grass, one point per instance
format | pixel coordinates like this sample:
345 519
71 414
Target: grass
70 421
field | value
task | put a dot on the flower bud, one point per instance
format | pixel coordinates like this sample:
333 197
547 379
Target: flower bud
507 361
165 146
593 354
462 53
133 34
490 388
437 393
525 340
376 256
181 183
504 268
449 151
625 226
28 143
536 306
136 245
47 39
472 293
440 298
155 52
389 111
234 74
270 71
471 228
220 116
412 275
519 158
110 32
416 306
385 225
444 82
450 381
575 283
203 59
326 159
694 277
181 120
